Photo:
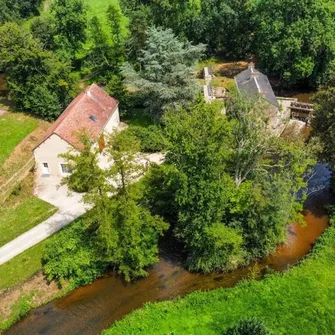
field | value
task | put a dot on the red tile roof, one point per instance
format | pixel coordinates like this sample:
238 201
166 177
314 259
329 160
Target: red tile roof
89 111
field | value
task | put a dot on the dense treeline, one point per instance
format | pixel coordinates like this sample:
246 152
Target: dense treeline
292 40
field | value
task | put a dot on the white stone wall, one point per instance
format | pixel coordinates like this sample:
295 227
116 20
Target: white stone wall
113 122
48 152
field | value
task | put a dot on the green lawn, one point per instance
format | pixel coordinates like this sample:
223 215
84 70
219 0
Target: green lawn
17 219
22 266
14 127
300 301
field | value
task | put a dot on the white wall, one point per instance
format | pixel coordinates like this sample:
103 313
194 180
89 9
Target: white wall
48 152
113 122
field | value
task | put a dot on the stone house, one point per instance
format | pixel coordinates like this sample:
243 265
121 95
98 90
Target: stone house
93 112
251 82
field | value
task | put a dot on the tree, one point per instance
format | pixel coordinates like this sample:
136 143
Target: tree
123 233
14 10
86 174
323 123
217 22
100 59
294 39
198 138
168 14
138 28
165 78
43 30
231 185
70 26
38 81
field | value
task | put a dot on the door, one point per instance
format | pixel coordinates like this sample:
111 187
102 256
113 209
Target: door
45 168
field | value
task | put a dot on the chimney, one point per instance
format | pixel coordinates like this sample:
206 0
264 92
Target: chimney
251 65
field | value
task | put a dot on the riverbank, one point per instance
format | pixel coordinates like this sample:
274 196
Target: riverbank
299 299
32 293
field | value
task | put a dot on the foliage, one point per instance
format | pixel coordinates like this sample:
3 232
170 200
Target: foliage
86 173
119 231
287 302
14 10
43 29
117 89
70 26
169 14
38 81
323 121
152 138
165 78
294 39
217 22
71 255
225 171
248 327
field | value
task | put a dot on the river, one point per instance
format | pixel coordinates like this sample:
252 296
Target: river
90 309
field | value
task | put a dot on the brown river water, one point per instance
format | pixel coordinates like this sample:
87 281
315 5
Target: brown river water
92 308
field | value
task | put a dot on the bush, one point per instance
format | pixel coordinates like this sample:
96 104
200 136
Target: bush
70 255
152 137
248 327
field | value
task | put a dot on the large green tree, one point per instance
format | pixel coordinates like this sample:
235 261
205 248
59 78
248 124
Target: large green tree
231 186
166 76
122 231
38 81
225 26
14 10
294 39
70 26
323 123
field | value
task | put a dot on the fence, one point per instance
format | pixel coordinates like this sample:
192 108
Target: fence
7 187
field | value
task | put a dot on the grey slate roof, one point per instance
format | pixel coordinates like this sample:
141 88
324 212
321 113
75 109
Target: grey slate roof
253 83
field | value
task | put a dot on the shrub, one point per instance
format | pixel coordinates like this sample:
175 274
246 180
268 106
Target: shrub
248 327
152 137
71 255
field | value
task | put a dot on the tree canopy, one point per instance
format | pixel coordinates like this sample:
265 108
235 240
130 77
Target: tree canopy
222 174
295 39
38 81
122 231
165 77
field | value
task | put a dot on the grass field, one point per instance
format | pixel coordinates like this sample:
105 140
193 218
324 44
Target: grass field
300 301
22 266
19 218
14 127
19 213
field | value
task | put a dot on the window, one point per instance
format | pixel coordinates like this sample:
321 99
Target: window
66 168
45 168
93 118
